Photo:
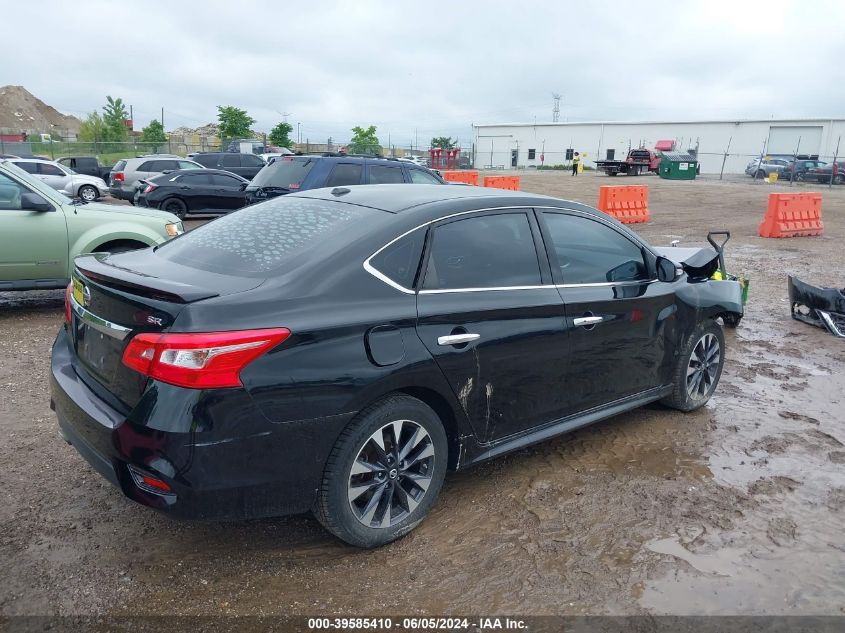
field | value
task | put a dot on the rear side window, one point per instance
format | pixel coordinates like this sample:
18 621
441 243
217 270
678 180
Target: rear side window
286 172
119 165
251 160
589 252
195 179
400 260
30 168
266 236
150 165
222 180
490 251
208 160
345 174
230 160
380 175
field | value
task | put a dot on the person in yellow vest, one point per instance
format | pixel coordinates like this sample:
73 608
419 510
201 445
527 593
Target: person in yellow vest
576 161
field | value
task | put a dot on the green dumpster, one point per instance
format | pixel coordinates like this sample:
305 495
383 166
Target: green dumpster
678 166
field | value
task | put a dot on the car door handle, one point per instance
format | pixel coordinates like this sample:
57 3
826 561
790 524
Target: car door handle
457 339
587 320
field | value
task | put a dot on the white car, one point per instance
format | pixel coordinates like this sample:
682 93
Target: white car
62 179
267 157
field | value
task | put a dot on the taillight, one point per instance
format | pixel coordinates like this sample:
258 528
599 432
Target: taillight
200 361
150 188
118 176
68 293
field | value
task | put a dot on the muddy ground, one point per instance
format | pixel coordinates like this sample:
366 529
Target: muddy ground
737 508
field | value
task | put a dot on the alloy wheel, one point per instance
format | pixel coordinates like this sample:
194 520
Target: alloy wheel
703 366
391 474
88 194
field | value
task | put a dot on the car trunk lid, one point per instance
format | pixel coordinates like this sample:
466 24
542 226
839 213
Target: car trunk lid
113 301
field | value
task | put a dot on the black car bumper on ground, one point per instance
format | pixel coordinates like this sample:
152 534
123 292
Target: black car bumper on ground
211 474
120 194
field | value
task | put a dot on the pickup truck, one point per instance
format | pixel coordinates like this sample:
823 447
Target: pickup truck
85 165
637 162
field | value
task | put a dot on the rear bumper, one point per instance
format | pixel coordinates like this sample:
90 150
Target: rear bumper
121 194
212 474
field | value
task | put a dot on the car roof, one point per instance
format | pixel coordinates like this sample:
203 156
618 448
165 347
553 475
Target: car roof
182 172
32 160
401 197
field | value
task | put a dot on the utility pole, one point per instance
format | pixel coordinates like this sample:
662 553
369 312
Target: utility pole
162 118
556 109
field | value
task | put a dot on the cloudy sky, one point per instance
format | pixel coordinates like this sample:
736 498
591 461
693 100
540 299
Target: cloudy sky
428 68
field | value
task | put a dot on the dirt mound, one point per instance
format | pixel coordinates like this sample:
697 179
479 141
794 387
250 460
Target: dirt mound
20 110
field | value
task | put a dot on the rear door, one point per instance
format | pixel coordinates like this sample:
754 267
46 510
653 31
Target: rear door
494 324
617 312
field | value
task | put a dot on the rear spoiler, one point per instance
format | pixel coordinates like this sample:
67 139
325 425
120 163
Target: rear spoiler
99 268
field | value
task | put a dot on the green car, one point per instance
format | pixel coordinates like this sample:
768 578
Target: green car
42 230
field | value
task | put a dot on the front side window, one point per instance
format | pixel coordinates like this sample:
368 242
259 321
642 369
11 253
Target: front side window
222 180
345 174
230 160
380 175
186 164
589 252
490 251
400 260
420 177
10 193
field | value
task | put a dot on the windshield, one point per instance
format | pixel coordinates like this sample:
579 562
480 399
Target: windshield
285 172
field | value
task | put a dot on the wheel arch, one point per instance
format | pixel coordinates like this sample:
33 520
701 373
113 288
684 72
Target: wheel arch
447 415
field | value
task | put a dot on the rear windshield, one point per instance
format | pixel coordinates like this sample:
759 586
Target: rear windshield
286 172
261 238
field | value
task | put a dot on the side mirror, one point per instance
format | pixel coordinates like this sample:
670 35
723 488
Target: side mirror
34 202
666 270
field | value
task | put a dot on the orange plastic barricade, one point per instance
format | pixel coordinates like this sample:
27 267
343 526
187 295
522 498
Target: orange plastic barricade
628 203
510 183
466 177
793 215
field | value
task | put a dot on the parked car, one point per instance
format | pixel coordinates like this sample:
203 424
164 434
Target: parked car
822 174
416 160
761 169
244 165
62 179
88 165
193 191
298 173
340 349
124 176
797 169
267 156
41 231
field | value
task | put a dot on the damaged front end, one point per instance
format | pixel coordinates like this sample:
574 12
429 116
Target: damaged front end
822 307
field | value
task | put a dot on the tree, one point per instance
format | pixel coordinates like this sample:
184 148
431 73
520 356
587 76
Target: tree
444 142
154 134
92 129
279 135
114 120
234 122
364 141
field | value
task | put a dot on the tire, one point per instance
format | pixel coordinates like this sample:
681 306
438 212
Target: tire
799 177
760 174
731 320
174 206
88 193
838 179
691 391
366 519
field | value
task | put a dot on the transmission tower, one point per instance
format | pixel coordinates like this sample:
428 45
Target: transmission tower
556 109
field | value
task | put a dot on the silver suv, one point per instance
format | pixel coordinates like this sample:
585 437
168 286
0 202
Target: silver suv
124 176
761 169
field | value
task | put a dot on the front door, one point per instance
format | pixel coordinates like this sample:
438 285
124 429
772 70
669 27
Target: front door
494 324
618 314
54 176
33 244
228 192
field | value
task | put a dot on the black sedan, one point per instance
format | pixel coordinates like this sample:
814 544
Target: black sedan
186 191
338 350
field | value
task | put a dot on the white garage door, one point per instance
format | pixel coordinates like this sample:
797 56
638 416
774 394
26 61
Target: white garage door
784 138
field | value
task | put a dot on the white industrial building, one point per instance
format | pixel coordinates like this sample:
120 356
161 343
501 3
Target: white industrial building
523 145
